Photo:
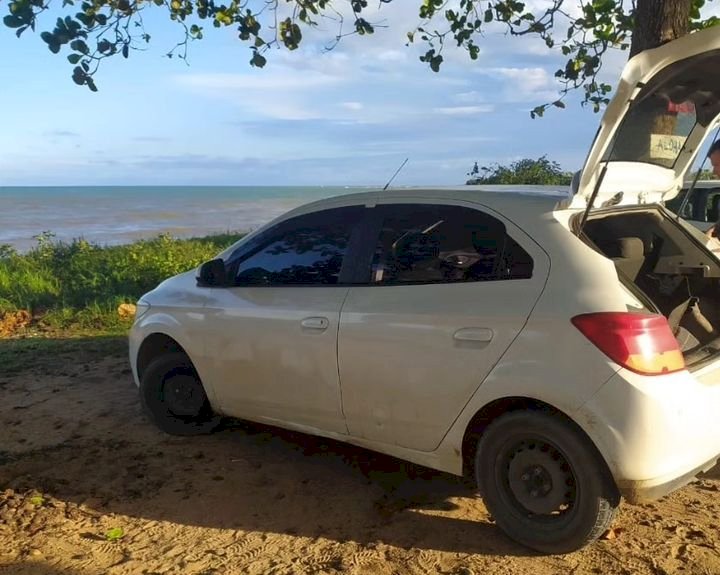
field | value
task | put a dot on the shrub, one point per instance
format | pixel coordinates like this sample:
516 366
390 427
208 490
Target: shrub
79 283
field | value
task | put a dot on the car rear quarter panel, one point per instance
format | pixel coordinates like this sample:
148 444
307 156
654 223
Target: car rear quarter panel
551 361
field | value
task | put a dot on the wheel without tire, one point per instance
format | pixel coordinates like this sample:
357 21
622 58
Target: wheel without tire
173 397
544 482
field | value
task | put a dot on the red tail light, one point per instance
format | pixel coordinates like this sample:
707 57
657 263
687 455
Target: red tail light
642 343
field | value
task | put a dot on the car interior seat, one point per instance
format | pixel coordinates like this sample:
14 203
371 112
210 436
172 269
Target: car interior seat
628 254
416 258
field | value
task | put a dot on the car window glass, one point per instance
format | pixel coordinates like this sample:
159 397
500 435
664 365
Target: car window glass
421 243
307 250
703 205
676 204
713 206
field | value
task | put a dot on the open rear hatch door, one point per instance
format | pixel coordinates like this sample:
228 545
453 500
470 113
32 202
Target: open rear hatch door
666 102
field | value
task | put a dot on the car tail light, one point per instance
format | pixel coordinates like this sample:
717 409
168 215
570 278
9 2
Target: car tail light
642 343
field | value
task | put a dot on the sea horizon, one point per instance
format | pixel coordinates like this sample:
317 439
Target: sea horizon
120 214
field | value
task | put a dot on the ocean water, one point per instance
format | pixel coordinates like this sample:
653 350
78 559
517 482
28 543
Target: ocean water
116 215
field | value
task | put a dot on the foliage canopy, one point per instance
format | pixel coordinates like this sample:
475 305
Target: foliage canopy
522 172
581 30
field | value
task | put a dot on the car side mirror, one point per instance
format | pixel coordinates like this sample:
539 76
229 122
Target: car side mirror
212 274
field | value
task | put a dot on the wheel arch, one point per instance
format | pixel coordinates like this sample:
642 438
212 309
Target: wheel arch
155 345
501 406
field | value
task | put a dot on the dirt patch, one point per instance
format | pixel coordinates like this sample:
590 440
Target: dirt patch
88 486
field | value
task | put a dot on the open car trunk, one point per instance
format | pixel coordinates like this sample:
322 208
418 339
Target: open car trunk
668 269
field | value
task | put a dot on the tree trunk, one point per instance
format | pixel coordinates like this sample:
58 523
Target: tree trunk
658 22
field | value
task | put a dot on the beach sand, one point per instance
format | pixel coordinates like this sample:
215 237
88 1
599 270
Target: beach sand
89 486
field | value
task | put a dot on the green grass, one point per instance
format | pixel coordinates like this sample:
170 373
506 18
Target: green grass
78 286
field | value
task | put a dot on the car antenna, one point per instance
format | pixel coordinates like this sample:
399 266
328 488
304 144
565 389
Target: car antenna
686 199
395 174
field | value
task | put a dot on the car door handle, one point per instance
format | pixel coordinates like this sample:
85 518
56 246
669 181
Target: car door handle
315 323
480 334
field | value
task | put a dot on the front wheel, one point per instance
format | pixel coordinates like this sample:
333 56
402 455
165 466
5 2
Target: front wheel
544 482
173 396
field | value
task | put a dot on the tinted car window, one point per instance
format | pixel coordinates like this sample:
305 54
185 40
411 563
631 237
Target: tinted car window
676 204
702 206
307 250
421 243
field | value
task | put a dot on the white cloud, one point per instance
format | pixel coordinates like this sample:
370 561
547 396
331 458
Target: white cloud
533 84
278 92
352 105
287 79
472 97
464 110
528 78
392 56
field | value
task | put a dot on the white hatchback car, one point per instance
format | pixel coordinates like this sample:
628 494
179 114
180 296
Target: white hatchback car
565 351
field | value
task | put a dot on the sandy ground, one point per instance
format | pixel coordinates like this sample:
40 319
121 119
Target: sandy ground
79 463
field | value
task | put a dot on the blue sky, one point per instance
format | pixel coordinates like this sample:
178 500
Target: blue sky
345 117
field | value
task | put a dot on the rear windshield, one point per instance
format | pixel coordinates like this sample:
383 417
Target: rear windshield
666 111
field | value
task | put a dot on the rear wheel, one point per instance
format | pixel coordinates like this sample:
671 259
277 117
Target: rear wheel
544 482
173 397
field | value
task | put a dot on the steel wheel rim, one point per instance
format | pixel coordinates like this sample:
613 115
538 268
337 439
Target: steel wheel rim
183 395
537 480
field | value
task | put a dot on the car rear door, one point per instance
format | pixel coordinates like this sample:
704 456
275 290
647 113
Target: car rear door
447 289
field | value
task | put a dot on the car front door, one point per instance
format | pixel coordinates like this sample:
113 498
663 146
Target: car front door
448 289
271 337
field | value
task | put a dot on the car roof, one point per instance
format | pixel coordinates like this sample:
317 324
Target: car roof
703 184
511 199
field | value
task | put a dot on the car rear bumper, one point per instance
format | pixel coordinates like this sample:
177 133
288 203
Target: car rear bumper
649 490
656 433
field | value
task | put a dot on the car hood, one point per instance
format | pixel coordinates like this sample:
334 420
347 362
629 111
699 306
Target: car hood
666 102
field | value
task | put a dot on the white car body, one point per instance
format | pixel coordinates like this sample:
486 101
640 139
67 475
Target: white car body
655 433
419 370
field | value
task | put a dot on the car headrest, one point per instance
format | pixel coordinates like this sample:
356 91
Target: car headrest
630 248
415 247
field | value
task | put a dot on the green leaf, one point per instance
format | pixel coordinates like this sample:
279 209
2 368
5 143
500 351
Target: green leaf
258 60
538 112
79 46
79 76
125 50
74 58
12 21
37 500
116 533
435 63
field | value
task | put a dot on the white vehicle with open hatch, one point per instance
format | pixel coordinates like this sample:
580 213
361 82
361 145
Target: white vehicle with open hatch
565 351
